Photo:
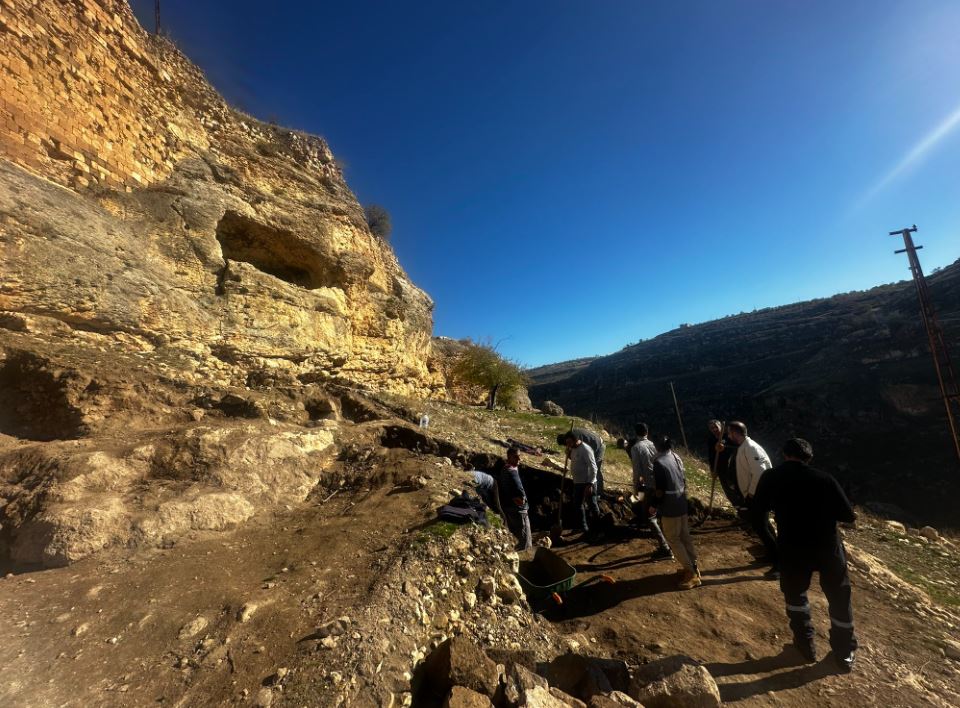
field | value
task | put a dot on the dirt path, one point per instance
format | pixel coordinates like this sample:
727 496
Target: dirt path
735 623
115 629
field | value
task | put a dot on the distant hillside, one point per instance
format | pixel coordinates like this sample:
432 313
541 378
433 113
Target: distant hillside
555 372
852 373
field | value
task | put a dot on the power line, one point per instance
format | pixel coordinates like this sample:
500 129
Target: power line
949 389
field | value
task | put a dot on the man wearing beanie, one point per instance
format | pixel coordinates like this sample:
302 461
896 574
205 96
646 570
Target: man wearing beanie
808 504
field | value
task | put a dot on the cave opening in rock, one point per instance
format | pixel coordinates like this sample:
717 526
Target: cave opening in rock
34 403
274 251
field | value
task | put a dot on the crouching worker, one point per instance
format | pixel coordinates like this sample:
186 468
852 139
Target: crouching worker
485 485
808 504
583 471
671 494
515 506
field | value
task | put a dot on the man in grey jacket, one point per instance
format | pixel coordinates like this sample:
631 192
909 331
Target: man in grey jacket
672 499
642 455
583 471
597 445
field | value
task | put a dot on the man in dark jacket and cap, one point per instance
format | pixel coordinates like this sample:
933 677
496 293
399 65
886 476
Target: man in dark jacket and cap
808 504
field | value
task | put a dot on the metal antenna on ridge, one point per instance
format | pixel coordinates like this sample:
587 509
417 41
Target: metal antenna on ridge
156 15
938 345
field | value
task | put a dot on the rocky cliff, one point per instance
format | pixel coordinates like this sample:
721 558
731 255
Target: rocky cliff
177 283
852 373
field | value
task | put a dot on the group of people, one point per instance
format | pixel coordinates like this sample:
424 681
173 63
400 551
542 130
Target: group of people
807 504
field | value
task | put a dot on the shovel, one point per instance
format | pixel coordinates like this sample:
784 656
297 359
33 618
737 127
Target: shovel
556 532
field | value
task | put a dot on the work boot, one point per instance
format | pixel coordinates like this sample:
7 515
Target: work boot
693 581
772 574
845 661
662 553
806 648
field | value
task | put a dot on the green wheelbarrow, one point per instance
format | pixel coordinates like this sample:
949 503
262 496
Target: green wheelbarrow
548 576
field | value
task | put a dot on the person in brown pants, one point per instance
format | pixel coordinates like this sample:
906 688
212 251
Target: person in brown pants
671 493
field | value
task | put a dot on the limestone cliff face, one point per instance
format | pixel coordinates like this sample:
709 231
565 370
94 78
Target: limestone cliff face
181 221
184 294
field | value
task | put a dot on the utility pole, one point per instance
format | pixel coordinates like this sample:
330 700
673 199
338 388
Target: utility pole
156 15
676 407
938 345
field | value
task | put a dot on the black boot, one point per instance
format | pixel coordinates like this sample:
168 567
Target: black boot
806 648
845 661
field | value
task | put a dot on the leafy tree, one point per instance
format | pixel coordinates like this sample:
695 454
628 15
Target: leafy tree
482 365
378 219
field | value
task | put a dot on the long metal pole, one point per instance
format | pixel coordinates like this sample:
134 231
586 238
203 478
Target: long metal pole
156 15
938 345
676 407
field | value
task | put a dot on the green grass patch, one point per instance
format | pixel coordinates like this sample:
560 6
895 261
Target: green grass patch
441 530
938 593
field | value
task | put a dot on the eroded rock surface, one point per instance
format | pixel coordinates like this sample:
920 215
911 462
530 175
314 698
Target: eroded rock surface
180 287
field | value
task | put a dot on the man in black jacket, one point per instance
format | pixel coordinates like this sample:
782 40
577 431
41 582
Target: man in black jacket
720 450
808 504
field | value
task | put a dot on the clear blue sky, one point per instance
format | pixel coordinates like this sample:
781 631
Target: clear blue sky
570 177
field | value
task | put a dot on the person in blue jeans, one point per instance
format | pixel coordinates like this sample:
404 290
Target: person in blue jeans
583 471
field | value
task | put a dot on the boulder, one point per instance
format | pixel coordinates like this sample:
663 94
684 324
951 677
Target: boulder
584 676
673 682
458 662
617 699
930 533
551 408
540 697
461 697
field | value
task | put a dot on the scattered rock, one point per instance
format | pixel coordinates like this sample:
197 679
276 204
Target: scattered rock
246 612
896 527
80 629
675 681
333 628
264 698
277 678
509 589
193 627
487 587
951 649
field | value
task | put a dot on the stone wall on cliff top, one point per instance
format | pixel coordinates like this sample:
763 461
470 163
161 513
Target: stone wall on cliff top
142 204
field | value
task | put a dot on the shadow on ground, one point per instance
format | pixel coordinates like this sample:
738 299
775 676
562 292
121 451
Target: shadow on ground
799 675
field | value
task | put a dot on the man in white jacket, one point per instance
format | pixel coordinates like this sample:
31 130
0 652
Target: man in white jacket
752 461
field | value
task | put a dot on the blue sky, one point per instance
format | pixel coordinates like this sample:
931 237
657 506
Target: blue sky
570 177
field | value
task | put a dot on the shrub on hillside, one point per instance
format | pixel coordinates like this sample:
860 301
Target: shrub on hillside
482 365
378 219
